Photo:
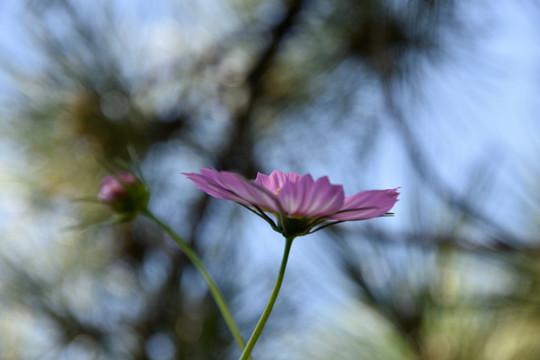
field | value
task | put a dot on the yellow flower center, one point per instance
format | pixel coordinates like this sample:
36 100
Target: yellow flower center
277 191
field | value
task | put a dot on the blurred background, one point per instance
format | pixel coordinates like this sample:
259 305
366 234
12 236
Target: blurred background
438 97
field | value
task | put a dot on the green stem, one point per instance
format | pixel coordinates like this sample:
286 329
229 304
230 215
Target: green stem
266 314
202 270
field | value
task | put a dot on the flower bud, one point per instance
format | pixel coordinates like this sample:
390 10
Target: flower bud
124 194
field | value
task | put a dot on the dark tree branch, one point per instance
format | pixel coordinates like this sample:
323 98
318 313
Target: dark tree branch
238 154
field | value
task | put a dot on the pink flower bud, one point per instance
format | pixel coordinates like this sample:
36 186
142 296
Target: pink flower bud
124 194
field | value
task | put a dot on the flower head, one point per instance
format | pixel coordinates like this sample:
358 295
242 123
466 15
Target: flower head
124 193
300 204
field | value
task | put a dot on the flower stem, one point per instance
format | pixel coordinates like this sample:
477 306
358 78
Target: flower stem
188 251
266 314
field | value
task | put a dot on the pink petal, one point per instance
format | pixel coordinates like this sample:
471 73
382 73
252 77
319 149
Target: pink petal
276 180
309 198
209 183
230 186
111 189
367 205
249 191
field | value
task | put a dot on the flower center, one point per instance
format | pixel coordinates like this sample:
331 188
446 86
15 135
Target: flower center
277 191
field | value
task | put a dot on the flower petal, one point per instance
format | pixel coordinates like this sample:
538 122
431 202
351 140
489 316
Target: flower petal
111 189
309 198
208 182
231 186
276 180
367 205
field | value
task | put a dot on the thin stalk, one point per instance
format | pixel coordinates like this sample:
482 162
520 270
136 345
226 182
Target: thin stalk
266 314
204 273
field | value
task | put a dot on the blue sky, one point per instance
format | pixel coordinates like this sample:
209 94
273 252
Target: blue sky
478 108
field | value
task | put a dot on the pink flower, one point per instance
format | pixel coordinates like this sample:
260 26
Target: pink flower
124 194
301 205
